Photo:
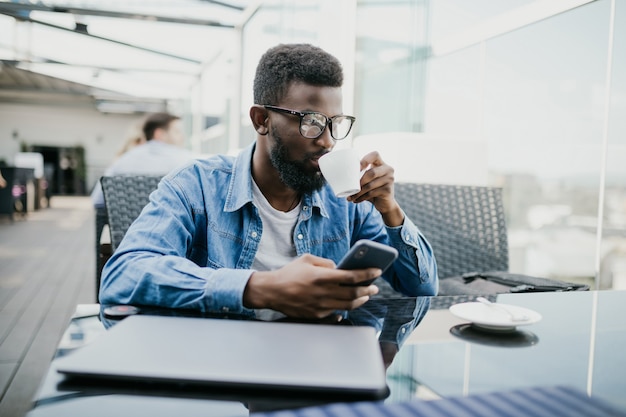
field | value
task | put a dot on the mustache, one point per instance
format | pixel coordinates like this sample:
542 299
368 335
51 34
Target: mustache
316 155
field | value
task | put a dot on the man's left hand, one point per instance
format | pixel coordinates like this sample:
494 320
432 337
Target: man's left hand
377 187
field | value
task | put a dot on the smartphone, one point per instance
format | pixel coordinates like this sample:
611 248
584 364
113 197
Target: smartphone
368 254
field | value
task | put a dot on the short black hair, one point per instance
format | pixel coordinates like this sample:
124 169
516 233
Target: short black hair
157 121
287 63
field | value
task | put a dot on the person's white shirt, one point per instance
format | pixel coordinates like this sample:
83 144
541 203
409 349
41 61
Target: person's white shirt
151 158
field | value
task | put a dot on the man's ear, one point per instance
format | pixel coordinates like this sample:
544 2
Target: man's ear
259 117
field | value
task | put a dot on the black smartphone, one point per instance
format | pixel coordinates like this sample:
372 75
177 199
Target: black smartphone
368 254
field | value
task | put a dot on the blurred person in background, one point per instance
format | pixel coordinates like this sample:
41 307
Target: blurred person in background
136 138
161 152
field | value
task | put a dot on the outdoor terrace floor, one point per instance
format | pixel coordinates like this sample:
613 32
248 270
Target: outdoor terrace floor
47 267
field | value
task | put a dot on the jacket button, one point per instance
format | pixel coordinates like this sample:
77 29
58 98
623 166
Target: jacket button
300 236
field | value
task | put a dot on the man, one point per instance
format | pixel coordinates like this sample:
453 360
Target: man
159 154
263 230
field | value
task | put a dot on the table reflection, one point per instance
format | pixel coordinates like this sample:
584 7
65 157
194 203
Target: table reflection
516 338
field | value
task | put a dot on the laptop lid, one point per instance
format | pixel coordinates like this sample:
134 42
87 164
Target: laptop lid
222 353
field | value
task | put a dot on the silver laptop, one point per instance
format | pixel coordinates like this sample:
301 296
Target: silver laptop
232 353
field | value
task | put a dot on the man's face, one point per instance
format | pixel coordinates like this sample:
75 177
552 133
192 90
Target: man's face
174 133
294 156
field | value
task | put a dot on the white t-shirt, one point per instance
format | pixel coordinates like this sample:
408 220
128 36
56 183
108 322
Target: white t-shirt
276 248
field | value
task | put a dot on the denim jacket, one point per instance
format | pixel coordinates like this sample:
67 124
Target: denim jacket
194 243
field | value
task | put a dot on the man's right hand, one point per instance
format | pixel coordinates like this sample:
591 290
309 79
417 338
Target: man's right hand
309 287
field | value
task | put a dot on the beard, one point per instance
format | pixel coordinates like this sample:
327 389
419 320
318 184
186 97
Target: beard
294 174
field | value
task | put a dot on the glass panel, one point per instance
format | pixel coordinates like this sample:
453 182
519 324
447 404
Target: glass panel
613 254
454 97
390 66
453 16
543 119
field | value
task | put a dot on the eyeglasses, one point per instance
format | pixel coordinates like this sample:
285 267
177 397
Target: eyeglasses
312 124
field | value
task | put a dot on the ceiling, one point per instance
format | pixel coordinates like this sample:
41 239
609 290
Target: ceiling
21 86
119 56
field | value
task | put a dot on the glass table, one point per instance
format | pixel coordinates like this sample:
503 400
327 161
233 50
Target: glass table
429 353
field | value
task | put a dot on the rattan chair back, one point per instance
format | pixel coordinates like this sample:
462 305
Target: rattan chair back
464 224
125 197
101 220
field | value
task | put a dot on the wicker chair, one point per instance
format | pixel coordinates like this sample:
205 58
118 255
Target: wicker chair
103 251
464 224
467 229
125 197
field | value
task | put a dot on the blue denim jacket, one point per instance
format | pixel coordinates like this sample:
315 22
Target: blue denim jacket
194 243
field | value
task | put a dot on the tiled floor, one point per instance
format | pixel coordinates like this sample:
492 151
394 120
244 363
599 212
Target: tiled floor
46 269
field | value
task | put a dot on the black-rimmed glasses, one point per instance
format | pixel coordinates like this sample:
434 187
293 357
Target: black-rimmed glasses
312 124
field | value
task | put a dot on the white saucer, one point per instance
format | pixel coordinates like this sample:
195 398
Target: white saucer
489 318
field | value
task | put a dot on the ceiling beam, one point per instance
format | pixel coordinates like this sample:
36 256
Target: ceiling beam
85 33
46 61
21 10
229 5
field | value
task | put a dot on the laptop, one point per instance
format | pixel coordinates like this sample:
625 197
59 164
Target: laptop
223 353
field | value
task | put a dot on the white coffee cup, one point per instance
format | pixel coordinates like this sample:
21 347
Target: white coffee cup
342 170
